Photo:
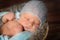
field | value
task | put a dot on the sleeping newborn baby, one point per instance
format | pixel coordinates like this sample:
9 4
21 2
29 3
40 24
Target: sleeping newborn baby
28 23
29 19
15 27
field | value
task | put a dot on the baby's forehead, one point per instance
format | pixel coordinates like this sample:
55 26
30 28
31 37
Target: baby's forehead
30 17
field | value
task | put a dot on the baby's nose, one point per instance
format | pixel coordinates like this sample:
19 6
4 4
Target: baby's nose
31 21
28 25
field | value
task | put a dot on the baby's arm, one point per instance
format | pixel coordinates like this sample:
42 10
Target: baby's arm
11 28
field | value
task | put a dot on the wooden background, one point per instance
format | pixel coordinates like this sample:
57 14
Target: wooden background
53 15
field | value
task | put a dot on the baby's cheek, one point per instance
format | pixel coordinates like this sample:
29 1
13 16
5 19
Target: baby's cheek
34 27
26 24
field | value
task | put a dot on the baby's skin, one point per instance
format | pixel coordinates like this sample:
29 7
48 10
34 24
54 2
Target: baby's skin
8 17
11 28
27 21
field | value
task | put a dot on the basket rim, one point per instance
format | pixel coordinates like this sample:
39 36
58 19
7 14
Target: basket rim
47 30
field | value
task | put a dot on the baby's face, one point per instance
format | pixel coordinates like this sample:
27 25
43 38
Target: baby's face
29 21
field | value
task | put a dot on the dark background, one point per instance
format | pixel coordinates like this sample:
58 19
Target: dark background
53 15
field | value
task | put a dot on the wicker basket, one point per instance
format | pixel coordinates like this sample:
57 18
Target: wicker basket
46 32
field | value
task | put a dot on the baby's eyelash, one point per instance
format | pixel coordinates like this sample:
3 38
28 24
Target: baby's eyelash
27 18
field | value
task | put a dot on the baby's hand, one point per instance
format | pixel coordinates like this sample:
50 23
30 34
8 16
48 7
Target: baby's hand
11 28
8 17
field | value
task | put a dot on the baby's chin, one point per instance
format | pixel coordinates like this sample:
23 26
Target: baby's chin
26 29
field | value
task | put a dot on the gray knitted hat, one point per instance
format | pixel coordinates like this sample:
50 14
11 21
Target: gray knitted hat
37 8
